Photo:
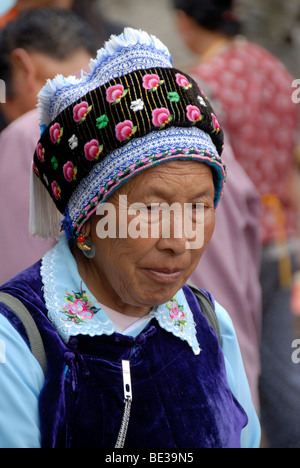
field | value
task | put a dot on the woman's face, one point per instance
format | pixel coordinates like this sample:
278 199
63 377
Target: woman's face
146 271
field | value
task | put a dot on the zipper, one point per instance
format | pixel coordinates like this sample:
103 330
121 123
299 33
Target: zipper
127 388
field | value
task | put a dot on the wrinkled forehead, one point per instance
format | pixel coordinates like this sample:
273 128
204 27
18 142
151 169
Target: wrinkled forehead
178 180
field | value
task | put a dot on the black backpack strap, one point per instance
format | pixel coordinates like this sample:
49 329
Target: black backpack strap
207 309
33 334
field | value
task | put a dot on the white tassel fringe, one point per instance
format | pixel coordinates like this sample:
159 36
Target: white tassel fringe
45 219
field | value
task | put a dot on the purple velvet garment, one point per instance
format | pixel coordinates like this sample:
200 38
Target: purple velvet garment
180 400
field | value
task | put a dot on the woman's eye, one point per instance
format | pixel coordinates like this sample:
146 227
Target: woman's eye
154 208
196 211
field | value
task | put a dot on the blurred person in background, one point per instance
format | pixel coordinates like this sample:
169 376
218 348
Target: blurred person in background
236 243
87 10
38 45
261 121
8 11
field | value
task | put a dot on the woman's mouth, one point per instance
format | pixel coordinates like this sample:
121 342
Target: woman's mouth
164 275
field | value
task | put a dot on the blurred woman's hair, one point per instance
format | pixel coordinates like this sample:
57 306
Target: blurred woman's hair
214 15
56 33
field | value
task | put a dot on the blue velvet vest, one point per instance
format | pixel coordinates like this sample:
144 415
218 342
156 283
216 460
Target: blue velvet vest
180 400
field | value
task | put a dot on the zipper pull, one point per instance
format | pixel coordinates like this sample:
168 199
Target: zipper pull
127 380
127 409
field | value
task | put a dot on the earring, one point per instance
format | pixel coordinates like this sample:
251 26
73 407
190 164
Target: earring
86 246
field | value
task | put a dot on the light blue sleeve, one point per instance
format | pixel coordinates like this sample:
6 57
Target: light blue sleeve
21 381
237 379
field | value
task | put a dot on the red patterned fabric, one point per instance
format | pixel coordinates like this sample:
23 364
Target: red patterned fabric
255 91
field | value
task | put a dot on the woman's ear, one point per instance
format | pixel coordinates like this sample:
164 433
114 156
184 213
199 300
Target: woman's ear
24 67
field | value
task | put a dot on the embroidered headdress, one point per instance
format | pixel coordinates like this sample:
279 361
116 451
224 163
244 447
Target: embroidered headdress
131 112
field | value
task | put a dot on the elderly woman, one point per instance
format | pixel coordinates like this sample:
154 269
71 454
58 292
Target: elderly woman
131 359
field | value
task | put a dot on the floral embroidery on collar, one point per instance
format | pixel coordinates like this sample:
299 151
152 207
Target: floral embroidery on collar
71 307
177 318
177 315
73 310
79 309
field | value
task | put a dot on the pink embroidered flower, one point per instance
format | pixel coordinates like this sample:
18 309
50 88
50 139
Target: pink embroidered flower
80 111
125 130
193 114
115 93
160 117
216 124
69 171
56 190
92 150
79 309
40 152
152 82
56 132
182 81
176 313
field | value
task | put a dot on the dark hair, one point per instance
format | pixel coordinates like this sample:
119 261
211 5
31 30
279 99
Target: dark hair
56 33
215 15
